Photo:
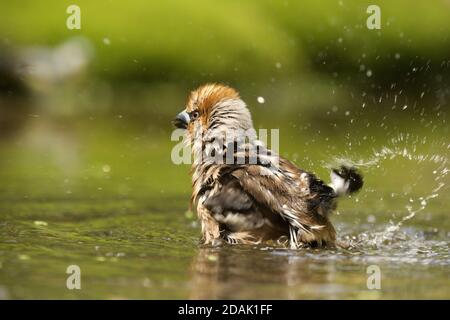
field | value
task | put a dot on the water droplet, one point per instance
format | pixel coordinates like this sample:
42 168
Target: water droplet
41 223
212 258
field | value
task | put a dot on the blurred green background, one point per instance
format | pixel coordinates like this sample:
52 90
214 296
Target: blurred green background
318 52
85 141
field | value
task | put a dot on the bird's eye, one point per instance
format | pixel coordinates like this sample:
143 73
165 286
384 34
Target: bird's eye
194 115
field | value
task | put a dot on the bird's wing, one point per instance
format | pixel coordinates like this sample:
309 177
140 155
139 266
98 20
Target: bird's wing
270 181
281 190
298 196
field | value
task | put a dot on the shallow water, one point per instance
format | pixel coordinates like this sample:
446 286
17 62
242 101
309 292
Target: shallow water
107 198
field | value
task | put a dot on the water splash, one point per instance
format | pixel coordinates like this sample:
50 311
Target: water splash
396 149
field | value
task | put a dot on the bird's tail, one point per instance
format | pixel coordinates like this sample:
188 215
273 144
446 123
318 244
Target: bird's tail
346 180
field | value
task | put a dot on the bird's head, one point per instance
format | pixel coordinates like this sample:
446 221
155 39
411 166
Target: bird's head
214 107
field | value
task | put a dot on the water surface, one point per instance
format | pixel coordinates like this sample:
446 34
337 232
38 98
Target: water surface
107 198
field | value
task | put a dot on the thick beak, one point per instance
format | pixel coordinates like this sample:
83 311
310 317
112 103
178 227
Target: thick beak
181 120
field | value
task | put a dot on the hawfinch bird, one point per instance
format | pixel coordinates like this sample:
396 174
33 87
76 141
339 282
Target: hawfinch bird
243 192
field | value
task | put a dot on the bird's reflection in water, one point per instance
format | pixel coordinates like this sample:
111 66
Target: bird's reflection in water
233 272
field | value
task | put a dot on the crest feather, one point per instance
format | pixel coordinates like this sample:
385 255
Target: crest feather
207 96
